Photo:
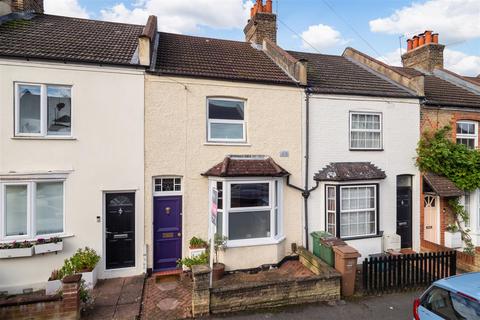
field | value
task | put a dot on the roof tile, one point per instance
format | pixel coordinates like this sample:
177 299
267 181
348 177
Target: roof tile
350 171
246 167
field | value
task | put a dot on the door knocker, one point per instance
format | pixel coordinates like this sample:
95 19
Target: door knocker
167 210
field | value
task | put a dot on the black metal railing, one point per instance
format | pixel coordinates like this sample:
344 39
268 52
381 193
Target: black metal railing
389 273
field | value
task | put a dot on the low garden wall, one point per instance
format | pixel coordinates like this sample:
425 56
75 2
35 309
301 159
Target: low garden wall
61 306
323 285
464 261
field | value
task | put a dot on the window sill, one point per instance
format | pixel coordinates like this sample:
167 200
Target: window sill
366 149
363 237
42 138
236 144
62 236
254 242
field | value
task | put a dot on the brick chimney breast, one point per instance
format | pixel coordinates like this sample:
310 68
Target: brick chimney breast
262 23
35 6
426 55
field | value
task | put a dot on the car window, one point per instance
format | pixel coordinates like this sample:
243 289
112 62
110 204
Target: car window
451 306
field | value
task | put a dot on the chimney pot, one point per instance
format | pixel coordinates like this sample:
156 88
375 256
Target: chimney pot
415 42
435 38
428 37
421 40
269 6
262 24
409 44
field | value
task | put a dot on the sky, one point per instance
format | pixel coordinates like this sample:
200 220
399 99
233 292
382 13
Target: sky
377 27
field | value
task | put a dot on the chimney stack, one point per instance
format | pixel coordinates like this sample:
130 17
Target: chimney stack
9 6
146 41
424 52
262 24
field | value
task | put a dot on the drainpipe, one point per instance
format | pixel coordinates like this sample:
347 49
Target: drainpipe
306 191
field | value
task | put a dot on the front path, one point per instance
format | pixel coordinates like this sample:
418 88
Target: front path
118 299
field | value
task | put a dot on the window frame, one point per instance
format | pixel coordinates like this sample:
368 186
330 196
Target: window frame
226 209
43 111
226 121
327 211
167 193
31 210
351 113
467 135
338 205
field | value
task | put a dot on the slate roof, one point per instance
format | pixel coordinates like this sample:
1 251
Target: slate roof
350 171
445 93
183 55
331 74
442 186
257 166
44 36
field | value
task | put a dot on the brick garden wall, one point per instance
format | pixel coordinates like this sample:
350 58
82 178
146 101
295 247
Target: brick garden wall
281 293
65 306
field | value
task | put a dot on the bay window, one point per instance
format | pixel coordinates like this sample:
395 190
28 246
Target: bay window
226 120
249 212
467 134
42 110
356 214
365 131
31 209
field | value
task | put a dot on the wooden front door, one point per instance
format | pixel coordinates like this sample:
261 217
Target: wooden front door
431 218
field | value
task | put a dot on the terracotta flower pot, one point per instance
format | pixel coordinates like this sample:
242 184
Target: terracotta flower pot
218 271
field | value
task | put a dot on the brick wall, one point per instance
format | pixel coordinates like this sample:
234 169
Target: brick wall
250 296
65 306
261 26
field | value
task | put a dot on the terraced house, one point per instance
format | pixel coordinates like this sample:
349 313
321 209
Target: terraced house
71 146
448 99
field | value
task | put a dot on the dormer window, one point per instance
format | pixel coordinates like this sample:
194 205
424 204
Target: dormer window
43 110
226 120
467 133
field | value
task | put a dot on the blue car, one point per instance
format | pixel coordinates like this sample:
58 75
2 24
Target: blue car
452 298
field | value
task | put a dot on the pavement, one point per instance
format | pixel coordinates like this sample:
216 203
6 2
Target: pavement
118 299
386 307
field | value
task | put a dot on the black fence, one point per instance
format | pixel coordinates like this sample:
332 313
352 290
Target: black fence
390 273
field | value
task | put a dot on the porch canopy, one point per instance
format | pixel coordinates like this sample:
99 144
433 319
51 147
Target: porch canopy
246 166
441 185
350 171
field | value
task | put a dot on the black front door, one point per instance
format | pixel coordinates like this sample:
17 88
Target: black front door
120 230
404 209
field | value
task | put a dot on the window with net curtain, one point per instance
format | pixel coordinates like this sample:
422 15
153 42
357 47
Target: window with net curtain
226 120
365 131
358 211
467 133
43 110
33 209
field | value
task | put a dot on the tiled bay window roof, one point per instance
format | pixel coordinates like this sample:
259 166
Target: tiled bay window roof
350 171
241 166
442 186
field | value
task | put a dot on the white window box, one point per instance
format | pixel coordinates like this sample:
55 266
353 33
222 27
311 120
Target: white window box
90 277
53 287
196 252
16 253
453 239
48 247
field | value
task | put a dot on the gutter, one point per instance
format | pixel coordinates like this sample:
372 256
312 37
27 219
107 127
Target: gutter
305 190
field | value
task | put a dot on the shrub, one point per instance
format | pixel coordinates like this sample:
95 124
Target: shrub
197 243
189 262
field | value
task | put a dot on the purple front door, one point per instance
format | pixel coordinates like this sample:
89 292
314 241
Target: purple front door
167 237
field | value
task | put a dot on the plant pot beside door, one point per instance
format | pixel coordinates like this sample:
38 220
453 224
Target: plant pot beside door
218 271
54 283
220 244
453 237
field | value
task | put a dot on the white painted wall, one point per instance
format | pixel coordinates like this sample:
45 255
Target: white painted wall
105 154
329 142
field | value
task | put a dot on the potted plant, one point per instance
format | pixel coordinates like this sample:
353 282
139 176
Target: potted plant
188 262
48 245
453 237
84 261
54 283
16 249
220 243
197 247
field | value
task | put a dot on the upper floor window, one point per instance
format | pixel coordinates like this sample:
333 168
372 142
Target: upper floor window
31 209
226 120
467 133
43 110
365 131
